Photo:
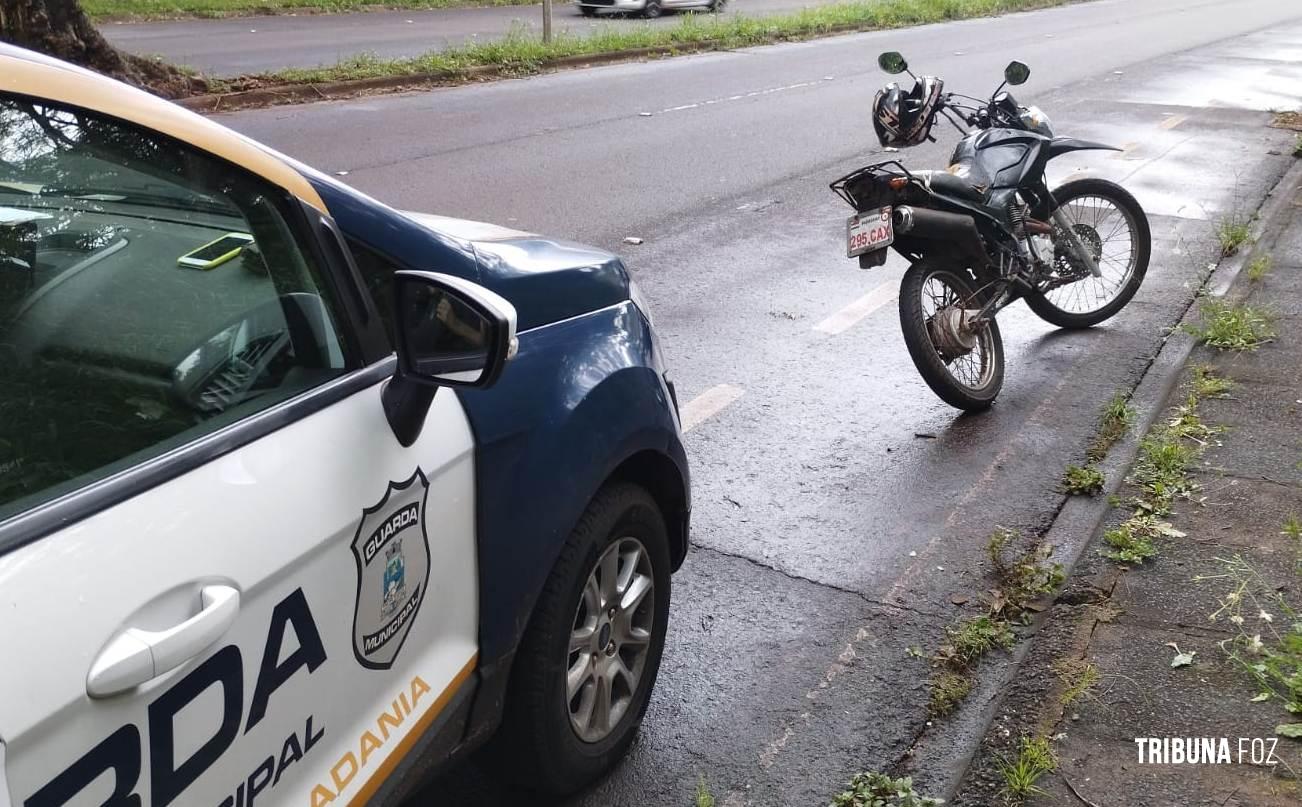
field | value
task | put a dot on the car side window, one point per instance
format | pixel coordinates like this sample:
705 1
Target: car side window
377 275
149 294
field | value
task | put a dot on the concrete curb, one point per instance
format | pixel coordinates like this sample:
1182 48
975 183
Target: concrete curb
327 90
1081 517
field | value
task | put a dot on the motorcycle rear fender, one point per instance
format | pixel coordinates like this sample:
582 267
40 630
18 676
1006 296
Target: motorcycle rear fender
1062 145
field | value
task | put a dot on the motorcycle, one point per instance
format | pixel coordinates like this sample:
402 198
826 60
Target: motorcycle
988 232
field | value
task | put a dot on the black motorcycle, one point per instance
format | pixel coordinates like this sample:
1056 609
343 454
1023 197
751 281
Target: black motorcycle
988 231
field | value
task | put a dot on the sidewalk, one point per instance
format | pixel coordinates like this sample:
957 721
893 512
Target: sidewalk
1102 671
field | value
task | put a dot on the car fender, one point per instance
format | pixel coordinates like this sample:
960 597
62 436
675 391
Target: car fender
580 398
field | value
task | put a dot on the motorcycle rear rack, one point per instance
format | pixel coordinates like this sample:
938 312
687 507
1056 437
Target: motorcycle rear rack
843 187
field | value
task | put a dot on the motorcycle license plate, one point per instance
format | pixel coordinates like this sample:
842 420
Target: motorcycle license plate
869 231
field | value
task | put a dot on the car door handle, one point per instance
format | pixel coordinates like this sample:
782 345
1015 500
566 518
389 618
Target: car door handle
137 655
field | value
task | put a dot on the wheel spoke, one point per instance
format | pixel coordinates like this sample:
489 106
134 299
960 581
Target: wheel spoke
609 575
635 593
580 672
601 706
628 562
581 638
1109 230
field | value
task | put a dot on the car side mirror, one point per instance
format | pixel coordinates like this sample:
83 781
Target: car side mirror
892 62
1016 73
450 332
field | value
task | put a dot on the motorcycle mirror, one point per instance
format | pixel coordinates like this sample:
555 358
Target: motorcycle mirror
892 62
1016 73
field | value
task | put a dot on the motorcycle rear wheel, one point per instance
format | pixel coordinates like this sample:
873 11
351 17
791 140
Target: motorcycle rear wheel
1110 221
966 378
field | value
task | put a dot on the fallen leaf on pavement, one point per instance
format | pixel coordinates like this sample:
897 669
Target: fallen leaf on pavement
1181 659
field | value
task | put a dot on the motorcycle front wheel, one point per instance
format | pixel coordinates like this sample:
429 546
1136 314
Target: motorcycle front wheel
961 364
1112 225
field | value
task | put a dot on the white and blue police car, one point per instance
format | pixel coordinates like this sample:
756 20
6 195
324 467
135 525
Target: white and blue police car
301 496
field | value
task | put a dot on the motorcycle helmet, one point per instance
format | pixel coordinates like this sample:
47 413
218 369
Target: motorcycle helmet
905 119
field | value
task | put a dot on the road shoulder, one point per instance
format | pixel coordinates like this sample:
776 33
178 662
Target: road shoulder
1106 667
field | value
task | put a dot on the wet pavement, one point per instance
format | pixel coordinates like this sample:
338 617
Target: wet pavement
840 509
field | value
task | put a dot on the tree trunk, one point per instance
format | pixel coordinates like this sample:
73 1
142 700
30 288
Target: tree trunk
61 29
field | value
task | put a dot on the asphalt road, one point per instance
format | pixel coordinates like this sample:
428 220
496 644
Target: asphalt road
841 510
228 47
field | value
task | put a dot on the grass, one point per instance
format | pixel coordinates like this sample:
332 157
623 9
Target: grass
1132 540
1161 473
1267 644
965 644
1113 425
968 641
880 790
1034 759
1259 268
948 689
1208 384
1233 231
704 798
1232 327
100 10
1292 528
1078 481
1078 678
520 53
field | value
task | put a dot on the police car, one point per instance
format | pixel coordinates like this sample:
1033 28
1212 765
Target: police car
267 535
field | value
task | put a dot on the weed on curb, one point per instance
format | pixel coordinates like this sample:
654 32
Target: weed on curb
1259 268
1208 384
1078 481
948 689
880 790
1034 759
1025 573
1161 474
704 798
1115 421
1233 232
1078 678
1232 327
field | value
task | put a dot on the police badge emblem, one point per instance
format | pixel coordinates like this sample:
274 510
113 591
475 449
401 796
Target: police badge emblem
391 549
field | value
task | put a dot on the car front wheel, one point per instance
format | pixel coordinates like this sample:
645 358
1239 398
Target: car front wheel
584 672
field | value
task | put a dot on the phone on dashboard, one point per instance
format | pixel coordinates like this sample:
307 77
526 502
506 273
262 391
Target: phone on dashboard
215 253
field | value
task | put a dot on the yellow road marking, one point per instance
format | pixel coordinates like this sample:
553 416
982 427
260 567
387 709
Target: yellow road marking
1173 121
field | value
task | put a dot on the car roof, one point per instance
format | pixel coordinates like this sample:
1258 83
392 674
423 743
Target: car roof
25 72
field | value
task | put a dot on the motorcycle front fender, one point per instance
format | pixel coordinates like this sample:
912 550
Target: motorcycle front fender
1063 145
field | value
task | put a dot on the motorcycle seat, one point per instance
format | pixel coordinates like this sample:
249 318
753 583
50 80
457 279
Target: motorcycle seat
946 183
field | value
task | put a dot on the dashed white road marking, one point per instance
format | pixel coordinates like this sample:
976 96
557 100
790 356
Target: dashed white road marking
708 404
848 317
742 96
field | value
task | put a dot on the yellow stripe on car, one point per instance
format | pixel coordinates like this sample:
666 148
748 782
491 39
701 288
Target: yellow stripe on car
28 73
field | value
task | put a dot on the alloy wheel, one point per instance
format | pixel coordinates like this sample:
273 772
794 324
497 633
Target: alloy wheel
610 638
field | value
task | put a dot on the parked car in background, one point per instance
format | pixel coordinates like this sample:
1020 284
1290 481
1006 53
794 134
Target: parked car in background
302 496
648 8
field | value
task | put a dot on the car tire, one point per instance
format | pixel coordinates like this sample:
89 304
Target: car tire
587 11
540 744
652 9
717 6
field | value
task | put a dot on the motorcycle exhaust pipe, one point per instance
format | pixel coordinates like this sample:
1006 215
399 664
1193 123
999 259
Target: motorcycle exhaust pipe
936 224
